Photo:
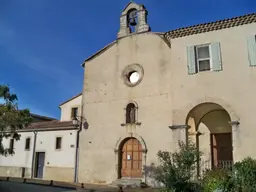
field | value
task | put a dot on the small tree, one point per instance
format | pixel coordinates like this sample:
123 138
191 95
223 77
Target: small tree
176 169
11 119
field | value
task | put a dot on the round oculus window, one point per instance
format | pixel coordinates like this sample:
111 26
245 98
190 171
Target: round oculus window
134 77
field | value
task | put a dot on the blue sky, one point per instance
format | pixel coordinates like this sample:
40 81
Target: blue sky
44 42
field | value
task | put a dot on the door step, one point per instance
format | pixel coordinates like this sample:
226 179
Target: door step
126 183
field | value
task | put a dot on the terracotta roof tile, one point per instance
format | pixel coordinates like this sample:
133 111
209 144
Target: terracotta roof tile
212 26
191 30
51 125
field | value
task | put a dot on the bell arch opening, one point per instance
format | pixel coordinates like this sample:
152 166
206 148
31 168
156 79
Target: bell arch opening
211 131
132 19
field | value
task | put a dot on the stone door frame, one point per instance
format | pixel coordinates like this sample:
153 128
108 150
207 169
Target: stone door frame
117 153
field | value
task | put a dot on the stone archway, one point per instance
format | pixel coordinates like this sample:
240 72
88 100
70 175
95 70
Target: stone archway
180 115
210 129
130 157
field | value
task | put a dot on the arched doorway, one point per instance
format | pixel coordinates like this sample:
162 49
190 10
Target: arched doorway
212 133
130 158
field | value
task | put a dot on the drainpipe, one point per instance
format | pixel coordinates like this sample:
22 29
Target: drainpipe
33 155
77 154
80 124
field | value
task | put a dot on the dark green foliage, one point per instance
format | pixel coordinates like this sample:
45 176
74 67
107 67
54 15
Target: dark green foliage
244 177
241 179
176 169
216 179
11 118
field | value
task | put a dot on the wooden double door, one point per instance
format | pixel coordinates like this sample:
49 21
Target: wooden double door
222 150
131 159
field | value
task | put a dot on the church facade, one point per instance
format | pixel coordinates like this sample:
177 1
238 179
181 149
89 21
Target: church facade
146 91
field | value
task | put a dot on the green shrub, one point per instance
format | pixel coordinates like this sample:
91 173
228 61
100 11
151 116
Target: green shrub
176 169
216 179
244 175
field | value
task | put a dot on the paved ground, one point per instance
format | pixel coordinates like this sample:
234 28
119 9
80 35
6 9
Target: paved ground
7 186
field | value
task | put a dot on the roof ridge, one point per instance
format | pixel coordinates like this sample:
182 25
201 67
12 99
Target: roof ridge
191 30
71 99
213 25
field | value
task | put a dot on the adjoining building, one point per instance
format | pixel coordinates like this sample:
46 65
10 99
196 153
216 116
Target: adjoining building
47 147
146 91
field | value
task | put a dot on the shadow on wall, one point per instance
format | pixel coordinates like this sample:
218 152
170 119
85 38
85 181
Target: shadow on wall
150 172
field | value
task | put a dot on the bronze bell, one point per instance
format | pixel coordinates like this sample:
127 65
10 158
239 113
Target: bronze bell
133 22
132 18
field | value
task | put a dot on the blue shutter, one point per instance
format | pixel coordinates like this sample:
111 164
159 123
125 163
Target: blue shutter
216 56
191 60
251 48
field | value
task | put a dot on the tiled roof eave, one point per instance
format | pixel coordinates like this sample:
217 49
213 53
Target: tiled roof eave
45 129
48 129
212 26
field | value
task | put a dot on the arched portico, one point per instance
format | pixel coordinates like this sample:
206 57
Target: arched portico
180 116
210 129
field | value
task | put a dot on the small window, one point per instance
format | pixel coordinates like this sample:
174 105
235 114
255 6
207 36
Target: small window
130 113
58 143
74 112
27 144
11 145
203 58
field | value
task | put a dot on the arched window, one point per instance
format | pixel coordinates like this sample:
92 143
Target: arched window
131 113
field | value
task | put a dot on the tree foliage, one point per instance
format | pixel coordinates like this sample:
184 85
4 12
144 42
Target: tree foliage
11 119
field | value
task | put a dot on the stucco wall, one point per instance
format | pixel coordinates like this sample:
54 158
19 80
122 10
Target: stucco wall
106 96
22 157
165 96
66 108
63 159
233 87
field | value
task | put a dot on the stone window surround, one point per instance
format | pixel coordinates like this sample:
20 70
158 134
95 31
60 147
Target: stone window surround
136 113
130 68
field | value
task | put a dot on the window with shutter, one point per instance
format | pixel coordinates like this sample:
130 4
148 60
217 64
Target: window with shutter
204 58
191 60
251 47
216 56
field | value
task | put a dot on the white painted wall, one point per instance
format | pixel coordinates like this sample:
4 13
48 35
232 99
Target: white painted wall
66 108
64 157
45 143
22 157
